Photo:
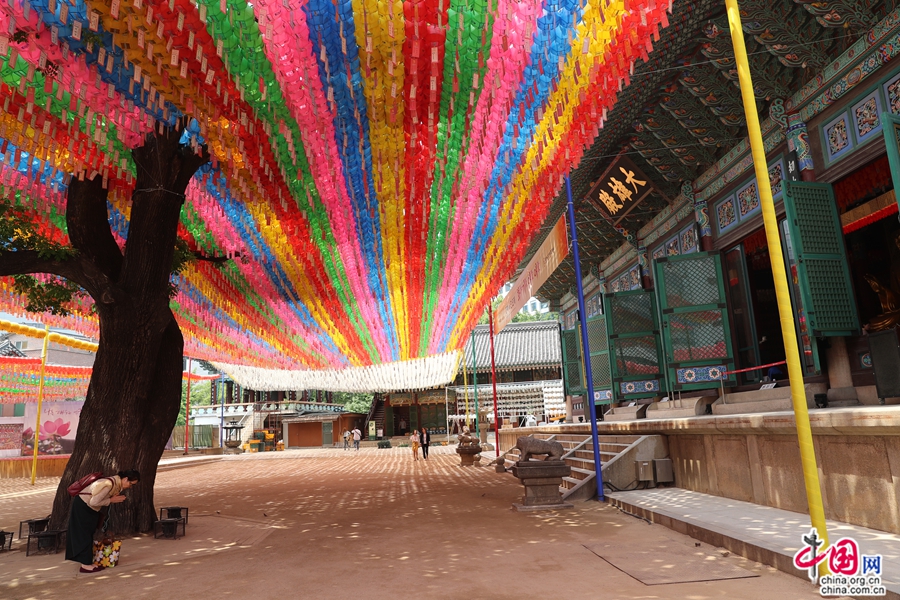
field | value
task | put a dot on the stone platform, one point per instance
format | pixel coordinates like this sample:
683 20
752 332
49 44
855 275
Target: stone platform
761 533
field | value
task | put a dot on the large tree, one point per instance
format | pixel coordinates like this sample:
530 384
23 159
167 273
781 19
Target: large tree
133 399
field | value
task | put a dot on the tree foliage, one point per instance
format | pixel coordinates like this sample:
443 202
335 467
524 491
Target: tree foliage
354 402
201 395
520 317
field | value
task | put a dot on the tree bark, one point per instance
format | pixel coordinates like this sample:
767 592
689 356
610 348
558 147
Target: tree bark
134 395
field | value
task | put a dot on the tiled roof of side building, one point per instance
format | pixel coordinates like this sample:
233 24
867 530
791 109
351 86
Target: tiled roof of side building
519 346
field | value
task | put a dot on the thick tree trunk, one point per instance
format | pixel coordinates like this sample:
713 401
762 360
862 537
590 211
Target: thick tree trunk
131 407
134 396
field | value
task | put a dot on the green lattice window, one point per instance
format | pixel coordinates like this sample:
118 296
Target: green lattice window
696 334
634 345
823 273
599 348
571 349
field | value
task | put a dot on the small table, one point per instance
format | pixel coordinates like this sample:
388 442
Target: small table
6 540
34 525
47 541
168 528
174 512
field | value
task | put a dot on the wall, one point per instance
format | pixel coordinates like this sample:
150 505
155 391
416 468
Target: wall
756 458
47 466
305 435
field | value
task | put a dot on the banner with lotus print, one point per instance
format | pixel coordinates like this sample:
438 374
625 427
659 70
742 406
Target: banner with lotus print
59 422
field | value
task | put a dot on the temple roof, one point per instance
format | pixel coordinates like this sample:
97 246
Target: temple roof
681 111
528 345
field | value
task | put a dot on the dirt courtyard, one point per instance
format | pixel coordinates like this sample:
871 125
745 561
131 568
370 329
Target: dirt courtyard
375 524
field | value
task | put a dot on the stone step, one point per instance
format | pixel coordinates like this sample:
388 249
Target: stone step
569 482
737 408
578 473
580 462
777 393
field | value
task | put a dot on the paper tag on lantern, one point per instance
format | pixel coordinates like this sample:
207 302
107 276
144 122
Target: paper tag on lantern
76 30
94 25
137 4
114 9
184 68
220 46
180 24
64 13
4 45
203 14
42 61
51 6
191 40
209 76
159 29
54 35
137 73
141 38
174 59
149 18
223 6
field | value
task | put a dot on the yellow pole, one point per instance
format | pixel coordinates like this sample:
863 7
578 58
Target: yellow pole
466 387
40 401
782 293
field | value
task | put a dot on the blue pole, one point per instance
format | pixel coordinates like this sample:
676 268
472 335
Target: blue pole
584 344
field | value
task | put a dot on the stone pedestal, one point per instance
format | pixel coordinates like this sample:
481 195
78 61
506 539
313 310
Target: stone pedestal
541 480
467 455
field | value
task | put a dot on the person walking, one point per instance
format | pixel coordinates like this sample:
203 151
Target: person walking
357 435
414 442
346 439
84 515
425 440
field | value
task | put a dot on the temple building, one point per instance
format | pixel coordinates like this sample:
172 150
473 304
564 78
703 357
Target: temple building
527 363
680 296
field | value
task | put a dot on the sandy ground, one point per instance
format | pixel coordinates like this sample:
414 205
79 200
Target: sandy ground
374 524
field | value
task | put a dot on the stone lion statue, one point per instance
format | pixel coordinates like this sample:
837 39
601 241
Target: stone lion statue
529 446
467 440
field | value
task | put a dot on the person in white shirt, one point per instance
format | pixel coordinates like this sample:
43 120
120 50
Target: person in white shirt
357 435
414 442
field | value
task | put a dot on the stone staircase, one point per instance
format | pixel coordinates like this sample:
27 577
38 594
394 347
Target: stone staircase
376 414
618 450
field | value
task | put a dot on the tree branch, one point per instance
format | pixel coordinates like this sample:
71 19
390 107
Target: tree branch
87 221
78 270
